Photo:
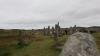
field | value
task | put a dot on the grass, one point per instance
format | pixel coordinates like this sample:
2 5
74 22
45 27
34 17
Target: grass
97 39
40 46
36 48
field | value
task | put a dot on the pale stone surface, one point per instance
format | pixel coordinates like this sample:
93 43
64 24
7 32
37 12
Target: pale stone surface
80 44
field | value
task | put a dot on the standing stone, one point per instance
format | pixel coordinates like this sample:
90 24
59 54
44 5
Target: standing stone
56 31
80 44
56 34
88 31
75 29
71 30
48 30
44 31
53 30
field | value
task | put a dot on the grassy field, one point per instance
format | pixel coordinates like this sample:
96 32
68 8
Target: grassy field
36 48
39 47
97 39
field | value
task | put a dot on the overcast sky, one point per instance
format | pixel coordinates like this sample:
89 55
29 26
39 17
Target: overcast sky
39 13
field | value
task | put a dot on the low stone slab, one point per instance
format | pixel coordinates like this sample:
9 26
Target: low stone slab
80 44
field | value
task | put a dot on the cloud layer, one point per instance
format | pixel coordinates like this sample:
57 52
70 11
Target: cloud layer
39 13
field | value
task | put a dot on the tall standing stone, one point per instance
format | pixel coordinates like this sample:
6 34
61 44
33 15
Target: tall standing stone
44 31
48 30
70 30
53 31
56 31
56 34
80 44
75 28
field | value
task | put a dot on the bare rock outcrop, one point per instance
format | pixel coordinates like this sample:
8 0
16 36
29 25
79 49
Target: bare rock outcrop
80 44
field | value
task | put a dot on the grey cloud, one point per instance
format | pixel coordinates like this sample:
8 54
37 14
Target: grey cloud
40 13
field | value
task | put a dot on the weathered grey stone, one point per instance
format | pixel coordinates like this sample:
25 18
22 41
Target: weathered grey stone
48 30
80 44
44 31
56 32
